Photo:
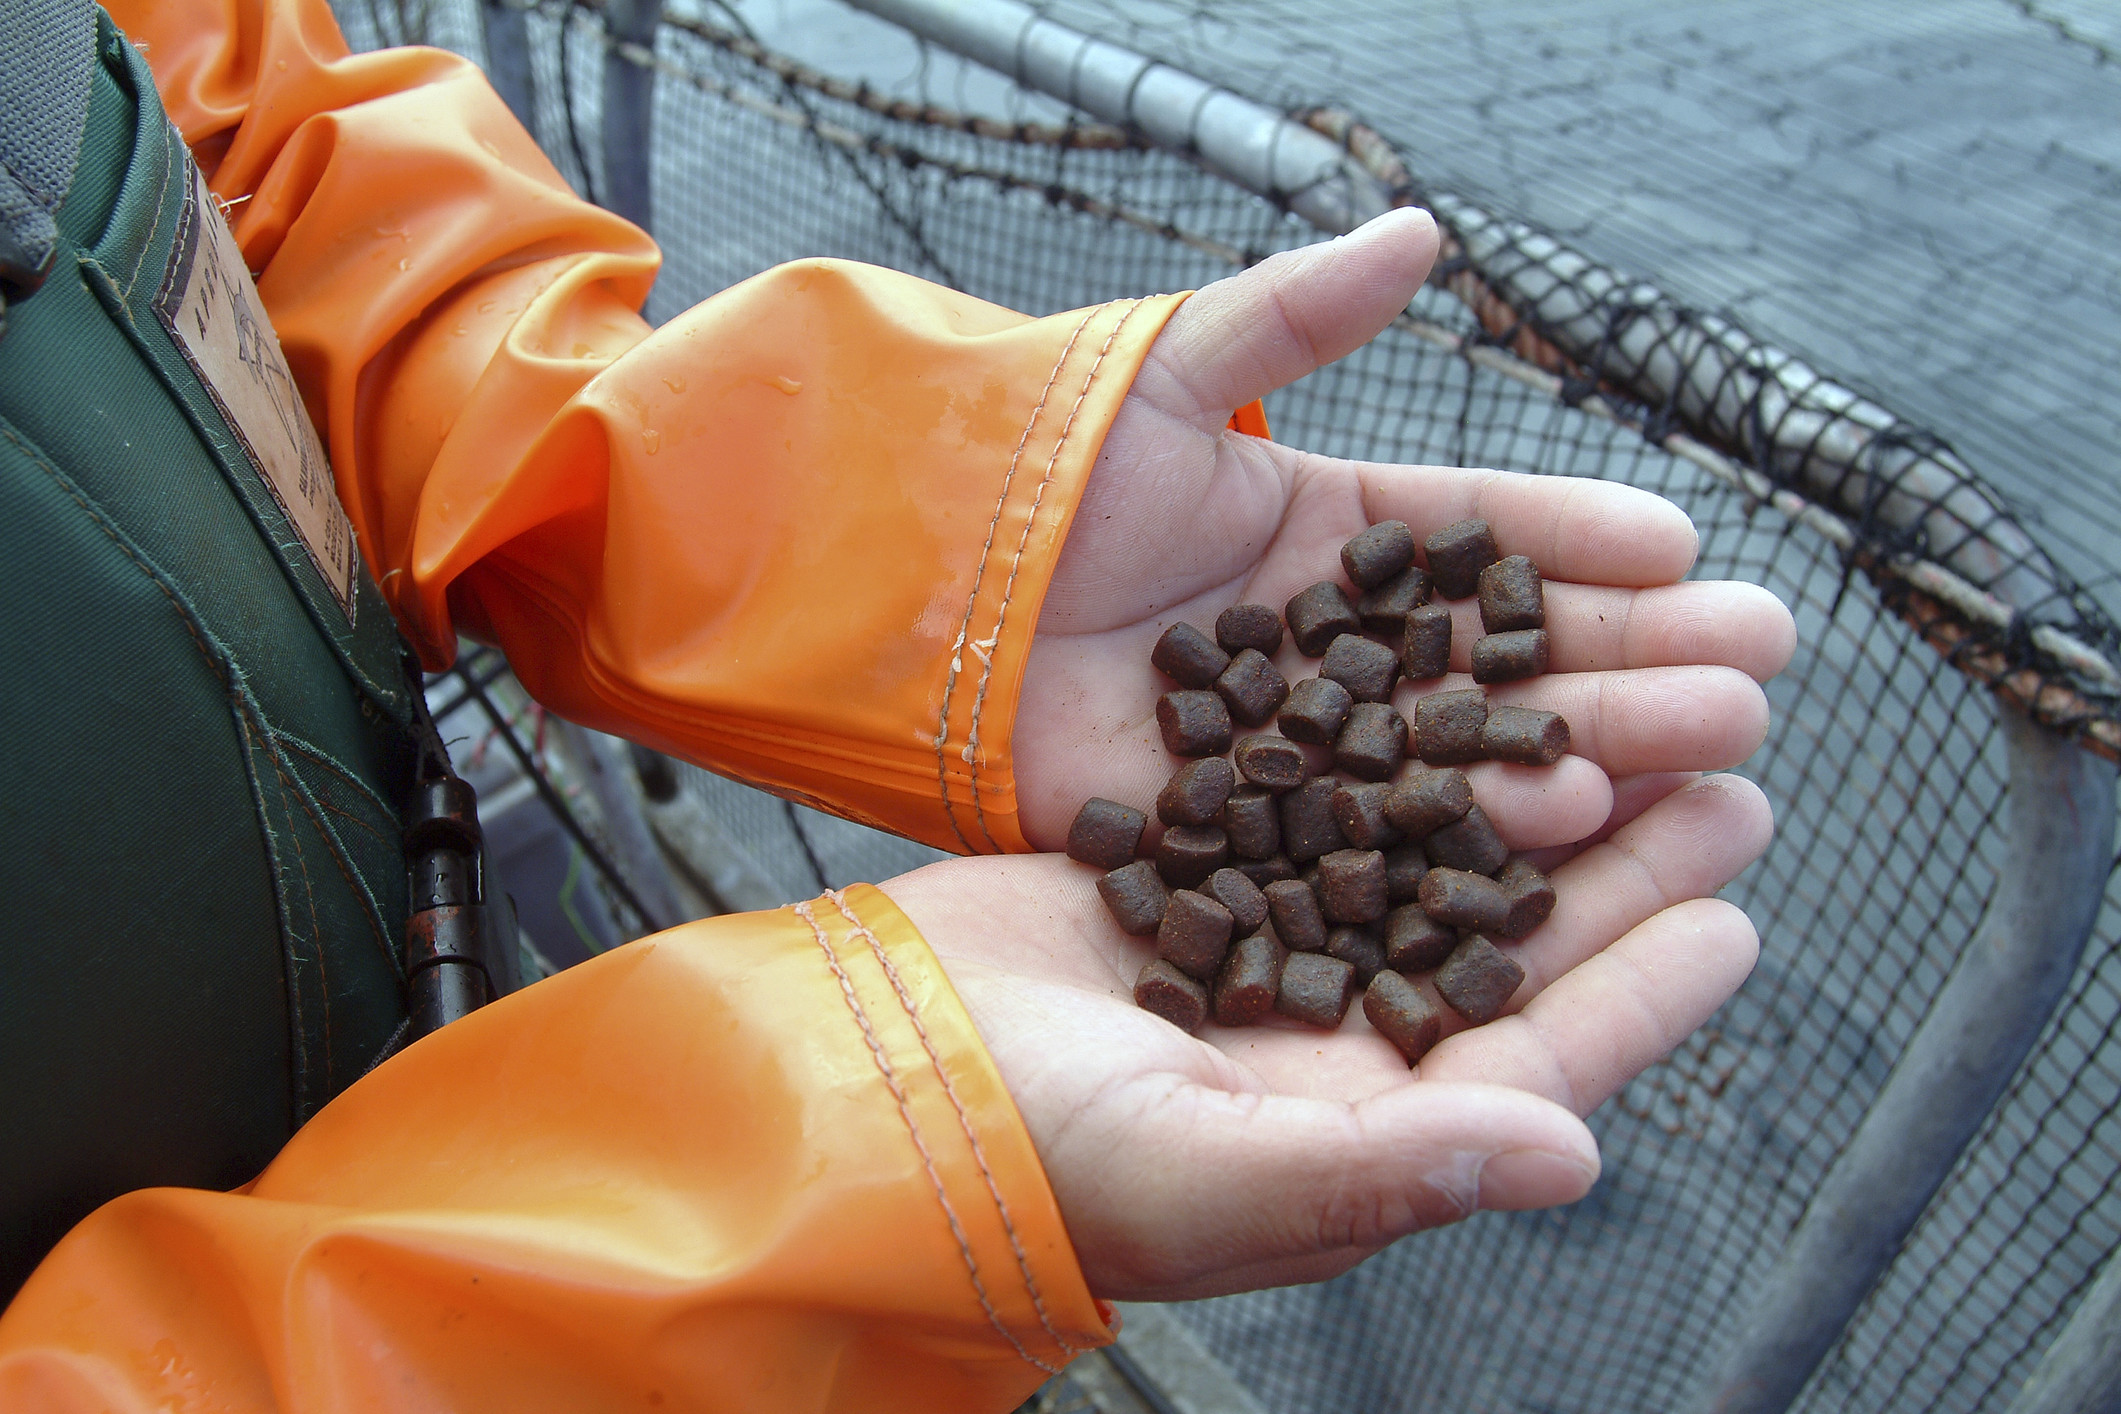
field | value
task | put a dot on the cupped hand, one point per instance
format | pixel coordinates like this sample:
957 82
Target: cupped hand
1194 1166
1183 518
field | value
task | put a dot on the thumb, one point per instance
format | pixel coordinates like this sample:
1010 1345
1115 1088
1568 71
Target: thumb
1185 1191
1243 337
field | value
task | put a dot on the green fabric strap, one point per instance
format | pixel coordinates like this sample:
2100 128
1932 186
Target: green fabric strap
204 758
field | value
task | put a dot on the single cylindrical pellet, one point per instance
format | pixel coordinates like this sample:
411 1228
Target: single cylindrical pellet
1172 995
1196 791
1254 687
1188 854
1385 608
1426 798
1378 553
1136 896
1457 554
1531 896
1194 935
1427 651
1272 761
1297 919
1415 942
1510 657
1373 743
1359 810
1477 980
1194 723
1247 905
1188 656
1469 843
1308 828
1404 867
1318 615
1357 947
1266 871
1365 667
1315 711
1403 1014
1464 900
1525 735
1512 595
1351 885
1253 626
1106 833
1447 727
1252 822
1249 981
1315 988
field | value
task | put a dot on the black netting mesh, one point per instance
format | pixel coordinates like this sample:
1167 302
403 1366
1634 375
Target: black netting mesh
1885 763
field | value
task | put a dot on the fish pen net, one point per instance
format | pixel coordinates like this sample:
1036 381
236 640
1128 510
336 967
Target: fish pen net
1921 600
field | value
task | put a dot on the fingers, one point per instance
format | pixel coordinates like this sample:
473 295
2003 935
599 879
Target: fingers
1243 337
1598 628
1615 1015
1644 719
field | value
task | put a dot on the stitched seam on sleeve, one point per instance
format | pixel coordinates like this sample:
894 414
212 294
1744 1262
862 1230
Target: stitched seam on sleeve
920 1145
957 649
1016 563
964 1119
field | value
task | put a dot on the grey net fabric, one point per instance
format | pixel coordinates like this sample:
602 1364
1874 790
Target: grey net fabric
47 56
1884 763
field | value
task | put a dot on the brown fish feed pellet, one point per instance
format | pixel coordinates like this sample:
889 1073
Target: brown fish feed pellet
1404 868
1106 833
1196 792
1378 553
1447 727
1365 667
1415 942
1359 810
1426 653
1512 595
1266 871
1165 991
1254 687
1252 823
1385 608
1318 615
1188 657
1457 554
1351 886
1477 980
1315 988
1253 626
1249 981
1247 905
1373 743
1193 723
1531 896
1510 657
1194 935
1308 828
1470 844
1273 762
1464 900
1188 854
1357 947
1136 896
1428 798
1403 1014
1315 711
1525 735
1297 919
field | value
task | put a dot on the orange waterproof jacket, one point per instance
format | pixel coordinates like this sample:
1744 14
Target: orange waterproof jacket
800 534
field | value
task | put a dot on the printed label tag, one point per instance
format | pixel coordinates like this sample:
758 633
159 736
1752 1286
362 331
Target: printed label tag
211 307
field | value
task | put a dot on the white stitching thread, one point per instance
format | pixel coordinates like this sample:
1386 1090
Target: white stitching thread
979 701
979 1154
957 649
905 1110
